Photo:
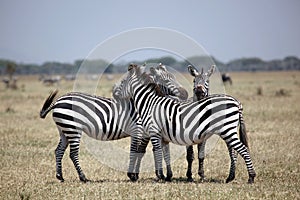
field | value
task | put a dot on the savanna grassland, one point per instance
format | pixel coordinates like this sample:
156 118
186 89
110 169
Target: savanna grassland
271 102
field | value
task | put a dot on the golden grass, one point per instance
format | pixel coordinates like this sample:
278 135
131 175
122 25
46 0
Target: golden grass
27 146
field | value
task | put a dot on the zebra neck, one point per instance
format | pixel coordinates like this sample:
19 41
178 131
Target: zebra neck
144 97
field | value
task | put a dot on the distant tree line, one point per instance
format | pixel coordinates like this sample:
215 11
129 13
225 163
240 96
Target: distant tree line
94 66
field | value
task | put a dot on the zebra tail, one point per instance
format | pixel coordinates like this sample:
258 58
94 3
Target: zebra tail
48 105
242 131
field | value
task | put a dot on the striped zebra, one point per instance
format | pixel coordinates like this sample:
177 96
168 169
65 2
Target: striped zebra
200 91
169 87
100 118
163 76
185 123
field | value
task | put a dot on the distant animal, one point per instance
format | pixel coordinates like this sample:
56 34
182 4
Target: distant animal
50 80
5 80
91 77
10 83
69 77
226 78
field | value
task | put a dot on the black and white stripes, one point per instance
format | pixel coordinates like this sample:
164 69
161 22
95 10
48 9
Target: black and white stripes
200 90
142 109
102 119
185 123
99 117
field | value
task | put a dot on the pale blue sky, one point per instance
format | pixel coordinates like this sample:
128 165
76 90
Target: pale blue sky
38 31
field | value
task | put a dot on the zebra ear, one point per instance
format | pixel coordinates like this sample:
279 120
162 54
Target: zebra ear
131 66
161 67
211 70
193 71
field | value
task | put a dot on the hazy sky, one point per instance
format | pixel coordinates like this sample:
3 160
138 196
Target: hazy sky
38 31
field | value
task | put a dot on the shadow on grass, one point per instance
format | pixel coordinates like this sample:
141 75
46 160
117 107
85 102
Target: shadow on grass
153 180
197 181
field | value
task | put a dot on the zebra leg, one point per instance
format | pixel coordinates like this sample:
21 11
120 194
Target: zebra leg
59 153
233 159
133 158
243 151
74 150
138 151
201 156
190 159
234 142
166 153
157 151
141 152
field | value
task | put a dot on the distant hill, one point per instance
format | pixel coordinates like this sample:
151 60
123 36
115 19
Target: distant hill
95 66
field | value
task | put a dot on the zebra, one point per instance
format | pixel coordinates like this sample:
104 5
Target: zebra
201 90
169 87
100 118
186 123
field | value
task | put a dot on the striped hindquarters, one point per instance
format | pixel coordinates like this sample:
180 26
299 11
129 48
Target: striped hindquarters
190 123
100 118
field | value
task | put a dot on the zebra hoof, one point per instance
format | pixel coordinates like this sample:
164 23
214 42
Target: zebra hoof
190 179
83 179
229 179
201 174
251 179
59 177
133 176
169 179
159 175
169 176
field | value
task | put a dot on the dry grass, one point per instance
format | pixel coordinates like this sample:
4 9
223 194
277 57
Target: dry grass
27 146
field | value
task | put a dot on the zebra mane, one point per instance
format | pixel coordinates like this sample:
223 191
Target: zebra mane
161 89
157 89
147 80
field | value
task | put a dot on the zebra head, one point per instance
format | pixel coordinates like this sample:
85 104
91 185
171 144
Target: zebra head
167 82
136 76
201 81
123 90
